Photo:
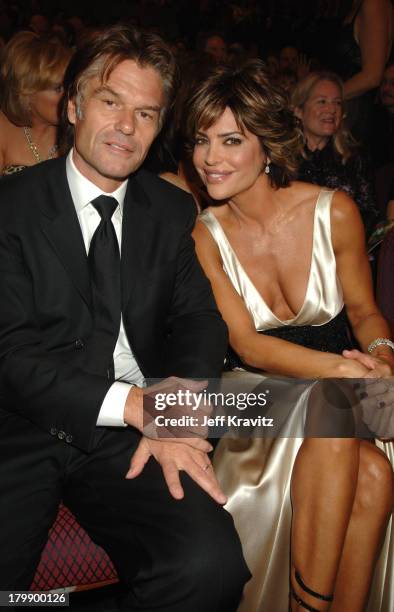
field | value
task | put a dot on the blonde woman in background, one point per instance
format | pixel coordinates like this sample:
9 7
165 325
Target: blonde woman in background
331 156
31 76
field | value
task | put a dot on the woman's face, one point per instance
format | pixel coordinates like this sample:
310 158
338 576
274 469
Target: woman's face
322 113
44 105
228 160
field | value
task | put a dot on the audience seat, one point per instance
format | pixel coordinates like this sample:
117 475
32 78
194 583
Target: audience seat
71 560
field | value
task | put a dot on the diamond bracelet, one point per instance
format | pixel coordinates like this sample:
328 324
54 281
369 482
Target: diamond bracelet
380 341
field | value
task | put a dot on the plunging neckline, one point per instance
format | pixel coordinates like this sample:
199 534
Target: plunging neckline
251 284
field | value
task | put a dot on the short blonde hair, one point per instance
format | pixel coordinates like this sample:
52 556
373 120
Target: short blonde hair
258 106
343 142
29 63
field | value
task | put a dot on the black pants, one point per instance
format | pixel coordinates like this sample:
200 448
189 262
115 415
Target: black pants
175 556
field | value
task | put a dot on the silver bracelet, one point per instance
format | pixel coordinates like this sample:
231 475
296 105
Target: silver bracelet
380 341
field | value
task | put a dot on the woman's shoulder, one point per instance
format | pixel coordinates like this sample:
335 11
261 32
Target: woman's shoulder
345 214
300 193
343 207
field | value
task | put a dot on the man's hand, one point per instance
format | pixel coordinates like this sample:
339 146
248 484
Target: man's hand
183 422
173 459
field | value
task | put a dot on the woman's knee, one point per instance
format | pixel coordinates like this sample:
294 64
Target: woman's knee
375 486
330 450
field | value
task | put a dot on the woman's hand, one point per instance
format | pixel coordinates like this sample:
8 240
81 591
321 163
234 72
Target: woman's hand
378 367
376 401
345 368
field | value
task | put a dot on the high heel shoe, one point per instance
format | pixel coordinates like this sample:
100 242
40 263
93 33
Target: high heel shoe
304 587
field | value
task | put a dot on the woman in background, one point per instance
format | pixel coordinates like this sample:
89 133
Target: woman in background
282 271
31 77
330 155
357 48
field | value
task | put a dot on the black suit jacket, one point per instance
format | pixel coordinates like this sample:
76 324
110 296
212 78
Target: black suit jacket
169 313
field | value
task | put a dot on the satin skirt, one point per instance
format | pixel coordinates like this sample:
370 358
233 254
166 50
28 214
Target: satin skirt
255 474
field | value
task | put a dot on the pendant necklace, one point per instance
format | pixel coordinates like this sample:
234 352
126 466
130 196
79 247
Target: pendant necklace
33 147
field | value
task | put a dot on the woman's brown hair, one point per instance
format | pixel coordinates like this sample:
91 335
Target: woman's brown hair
258 107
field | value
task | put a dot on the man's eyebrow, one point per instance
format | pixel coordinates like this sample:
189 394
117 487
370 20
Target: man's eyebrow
105 89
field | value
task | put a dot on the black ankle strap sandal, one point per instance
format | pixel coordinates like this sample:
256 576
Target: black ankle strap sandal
305 588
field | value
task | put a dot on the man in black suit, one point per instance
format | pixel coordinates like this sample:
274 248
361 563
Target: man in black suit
82 326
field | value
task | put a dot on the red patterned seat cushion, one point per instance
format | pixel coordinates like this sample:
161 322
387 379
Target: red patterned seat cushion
70 558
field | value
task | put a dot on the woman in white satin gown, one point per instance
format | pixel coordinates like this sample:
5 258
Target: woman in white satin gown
283 268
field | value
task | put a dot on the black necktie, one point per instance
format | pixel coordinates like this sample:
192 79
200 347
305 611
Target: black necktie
104 264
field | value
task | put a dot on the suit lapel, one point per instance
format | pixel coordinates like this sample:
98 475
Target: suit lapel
135 225
60 224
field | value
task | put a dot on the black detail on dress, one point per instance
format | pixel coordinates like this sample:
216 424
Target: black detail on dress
332 337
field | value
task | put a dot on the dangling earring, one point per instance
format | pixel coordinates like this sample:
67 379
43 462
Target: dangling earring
267 169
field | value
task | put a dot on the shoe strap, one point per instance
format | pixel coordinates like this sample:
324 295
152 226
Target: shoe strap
309 591
301 602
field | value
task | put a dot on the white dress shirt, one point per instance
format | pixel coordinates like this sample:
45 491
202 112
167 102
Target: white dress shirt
127 371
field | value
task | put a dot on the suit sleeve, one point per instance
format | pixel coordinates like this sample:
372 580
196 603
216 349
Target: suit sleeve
47 388
197 338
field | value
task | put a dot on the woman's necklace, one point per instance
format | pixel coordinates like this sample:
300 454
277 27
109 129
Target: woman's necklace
34 148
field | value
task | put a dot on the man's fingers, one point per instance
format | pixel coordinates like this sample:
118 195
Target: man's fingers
173 383
139 459
175 458
171 475
197 443
205 477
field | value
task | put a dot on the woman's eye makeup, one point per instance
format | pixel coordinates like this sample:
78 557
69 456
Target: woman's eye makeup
228 140
233 140
199 140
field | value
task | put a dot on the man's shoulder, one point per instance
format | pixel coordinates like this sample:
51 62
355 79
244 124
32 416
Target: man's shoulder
165 198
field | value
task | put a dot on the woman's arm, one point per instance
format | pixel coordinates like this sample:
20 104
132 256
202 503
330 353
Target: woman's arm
355 276
373 32
263 352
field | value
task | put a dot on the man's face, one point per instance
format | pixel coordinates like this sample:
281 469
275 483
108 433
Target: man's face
116 124
387 89
216 47
288 58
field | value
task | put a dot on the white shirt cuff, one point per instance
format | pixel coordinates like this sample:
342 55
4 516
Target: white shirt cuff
112 408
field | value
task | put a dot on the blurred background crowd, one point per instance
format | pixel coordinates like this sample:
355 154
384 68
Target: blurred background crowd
333 58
